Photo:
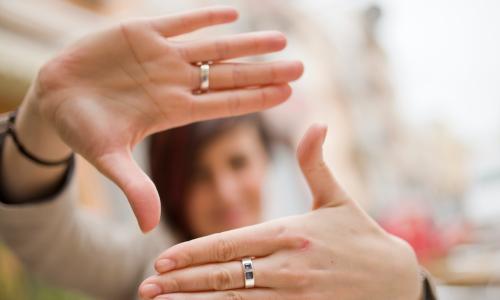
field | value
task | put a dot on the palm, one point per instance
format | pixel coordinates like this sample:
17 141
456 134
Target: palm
132 87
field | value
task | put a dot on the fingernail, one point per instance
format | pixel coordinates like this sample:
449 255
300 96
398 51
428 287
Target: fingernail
164 265
150 290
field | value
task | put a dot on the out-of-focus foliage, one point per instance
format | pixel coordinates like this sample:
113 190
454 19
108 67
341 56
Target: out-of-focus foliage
15 284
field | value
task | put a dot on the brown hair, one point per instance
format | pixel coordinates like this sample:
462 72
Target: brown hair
173 154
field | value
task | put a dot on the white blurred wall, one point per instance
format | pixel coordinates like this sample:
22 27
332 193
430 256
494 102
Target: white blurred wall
446 64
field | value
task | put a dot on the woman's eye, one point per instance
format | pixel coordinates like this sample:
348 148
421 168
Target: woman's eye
238 162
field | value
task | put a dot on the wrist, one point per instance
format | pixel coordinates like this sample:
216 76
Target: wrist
22 178
36 132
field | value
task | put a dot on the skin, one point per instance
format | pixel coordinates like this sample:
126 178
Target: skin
103 95
226 189
336 251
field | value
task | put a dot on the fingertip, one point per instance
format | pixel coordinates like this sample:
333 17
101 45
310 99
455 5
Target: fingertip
276 40
299 68
319 129
323 129
325 133
285 91
147 227
147 224
164 265
149 290
294 69
234 14
311 142
230 13
146 205
280 40
276 94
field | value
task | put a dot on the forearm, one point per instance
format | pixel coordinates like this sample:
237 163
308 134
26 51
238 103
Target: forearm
72 249
23 179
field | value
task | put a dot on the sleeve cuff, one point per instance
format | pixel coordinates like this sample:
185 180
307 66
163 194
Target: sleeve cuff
60 189
429 289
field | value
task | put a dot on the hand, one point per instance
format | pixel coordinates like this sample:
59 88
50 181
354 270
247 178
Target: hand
110 90
334 252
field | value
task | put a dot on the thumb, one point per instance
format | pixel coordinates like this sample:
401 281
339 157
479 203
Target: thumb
325 189
140 190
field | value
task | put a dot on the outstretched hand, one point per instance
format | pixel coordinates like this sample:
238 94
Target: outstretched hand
110 90
336 251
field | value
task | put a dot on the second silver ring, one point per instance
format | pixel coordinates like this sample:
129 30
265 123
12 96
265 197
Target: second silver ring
248 272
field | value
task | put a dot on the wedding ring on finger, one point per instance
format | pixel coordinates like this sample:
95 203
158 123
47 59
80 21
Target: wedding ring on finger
204 76
248 272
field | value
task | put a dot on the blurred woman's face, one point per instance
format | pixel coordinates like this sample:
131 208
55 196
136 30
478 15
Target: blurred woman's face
226 187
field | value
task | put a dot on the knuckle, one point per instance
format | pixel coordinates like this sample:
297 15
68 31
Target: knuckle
281 229
293 240
193 77
255 42
183 256
239 76
184 22
273 74
233 295
220 279
184 52
221 49
187 259
284 234
171 285
264 95
234 103
225 250
300 279
212 17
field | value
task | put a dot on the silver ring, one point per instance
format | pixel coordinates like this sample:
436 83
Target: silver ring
248 273
204 76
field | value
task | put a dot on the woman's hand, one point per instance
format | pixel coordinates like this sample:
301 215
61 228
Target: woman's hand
110 90
334 252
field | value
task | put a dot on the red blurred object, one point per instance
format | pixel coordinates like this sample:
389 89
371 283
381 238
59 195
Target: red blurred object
416 225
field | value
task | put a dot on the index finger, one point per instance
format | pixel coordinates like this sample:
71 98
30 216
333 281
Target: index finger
193 20
254 241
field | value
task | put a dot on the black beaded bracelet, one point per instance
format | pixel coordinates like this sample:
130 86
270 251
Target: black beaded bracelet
10 130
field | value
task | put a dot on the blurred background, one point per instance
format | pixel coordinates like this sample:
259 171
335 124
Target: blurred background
410 91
